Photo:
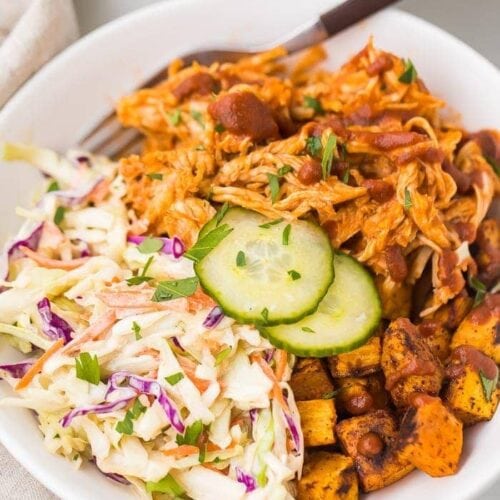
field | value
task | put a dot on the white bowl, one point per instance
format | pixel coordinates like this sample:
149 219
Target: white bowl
71 93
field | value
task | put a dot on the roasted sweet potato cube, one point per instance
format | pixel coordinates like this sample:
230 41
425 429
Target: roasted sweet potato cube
317 418
466 397
431 438
479 332
378 470
328 476
408 363
359 395
451 314
362 361
438 338
310 380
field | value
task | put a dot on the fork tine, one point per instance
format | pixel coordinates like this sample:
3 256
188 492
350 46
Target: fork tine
134 146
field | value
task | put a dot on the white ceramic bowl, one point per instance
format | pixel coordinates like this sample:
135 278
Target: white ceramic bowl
71 93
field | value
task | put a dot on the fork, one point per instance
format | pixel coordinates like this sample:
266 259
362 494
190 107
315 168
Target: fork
109 138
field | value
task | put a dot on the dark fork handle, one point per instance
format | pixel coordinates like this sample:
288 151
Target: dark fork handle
350 12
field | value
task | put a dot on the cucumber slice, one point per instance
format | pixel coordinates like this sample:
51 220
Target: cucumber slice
344 320
263 289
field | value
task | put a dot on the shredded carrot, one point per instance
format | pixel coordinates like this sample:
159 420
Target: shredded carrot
224 472
276 392
37 367
281 363
43 261
199 300
189 369
184 450
100 191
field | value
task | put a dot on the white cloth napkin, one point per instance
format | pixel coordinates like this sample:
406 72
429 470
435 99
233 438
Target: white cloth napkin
31 33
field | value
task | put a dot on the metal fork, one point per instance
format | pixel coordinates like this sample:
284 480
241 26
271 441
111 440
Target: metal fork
109 138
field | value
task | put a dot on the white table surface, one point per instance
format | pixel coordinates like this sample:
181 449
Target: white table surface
474 22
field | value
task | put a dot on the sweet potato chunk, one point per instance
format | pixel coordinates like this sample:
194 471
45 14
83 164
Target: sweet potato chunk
317 418
362 361
359 395
310 380
408 363
479 334
328 476
451 314
438 338
431 438
466 397
384 468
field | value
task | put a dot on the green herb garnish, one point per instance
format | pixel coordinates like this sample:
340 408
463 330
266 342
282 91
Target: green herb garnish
175 117
326 161
198 117
150 245
166 485
285 169
267 225
313 146
219 128
489 385
479 287
53 186
495 165
330 394
203 452
126 426
141 278
155 176
169 290
174 378
408 202
137 331
87 368
222 355
307 329
59 215
314 104
409 74
241 260
191 434
286 234
207 243
294 274
220 214
274 186
345 176
265 314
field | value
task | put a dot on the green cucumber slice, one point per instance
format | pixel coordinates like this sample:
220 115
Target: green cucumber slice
345 318
266 289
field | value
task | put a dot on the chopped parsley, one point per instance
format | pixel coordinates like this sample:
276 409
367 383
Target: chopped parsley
137 330
313 146
198 117
174 378
175 117
150 245
220 214
328 153
141 278
314 104
126 426
285 169
155 176
241 260
407 202
330 394
409 74
286 234
169 290
87 368
479 287
489 385
191 434
307 329
294 274
219 128
53 186
346 175
207 243
59 215
274 186
265 314
267 225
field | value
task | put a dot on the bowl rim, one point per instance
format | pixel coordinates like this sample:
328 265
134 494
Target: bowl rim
22 454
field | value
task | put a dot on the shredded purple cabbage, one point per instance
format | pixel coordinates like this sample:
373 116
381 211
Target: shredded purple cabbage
253 414
102 408
171 246
53 325
177 343
78 196
13 252
268 355
246 479
152 388
112 475
214 317
18 370
293 430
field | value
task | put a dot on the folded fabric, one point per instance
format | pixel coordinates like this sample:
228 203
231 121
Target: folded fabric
31 33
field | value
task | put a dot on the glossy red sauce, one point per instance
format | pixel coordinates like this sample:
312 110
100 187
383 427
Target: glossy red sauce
416 366
386 141
418 399
380 65
379 190
465 230
396 263
243 113
370 445
470 356
488 309
489 142
463 181
428 328
199 83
